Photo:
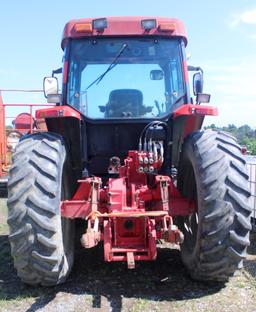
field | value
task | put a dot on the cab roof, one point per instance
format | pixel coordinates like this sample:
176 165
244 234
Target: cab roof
123 26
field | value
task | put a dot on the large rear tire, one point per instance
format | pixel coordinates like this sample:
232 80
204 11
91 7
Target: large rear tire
212 172
42 243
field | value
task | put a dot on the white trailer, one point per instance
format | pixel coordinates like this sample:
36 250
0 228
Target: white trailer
251 169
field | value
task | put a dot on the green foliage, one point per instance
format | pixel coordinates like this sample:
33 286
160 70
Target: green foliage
244 134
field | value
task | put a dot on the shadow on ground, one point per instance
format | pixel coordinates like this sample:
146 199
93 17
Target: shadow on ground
164 279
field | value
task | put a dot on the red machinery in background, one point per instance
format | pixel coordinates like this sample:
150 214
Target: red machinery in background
13 125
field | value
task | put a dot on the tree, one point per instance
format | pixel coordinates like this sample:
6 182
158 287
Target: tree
244 134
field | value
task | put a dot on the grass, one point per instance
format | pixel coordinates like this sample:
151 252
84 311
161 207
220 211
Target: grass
240 285
27 297
140 305
250 279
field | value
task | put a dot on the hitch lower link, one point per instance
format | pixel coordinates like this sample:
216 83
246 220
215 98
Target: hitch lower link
92 236
171 233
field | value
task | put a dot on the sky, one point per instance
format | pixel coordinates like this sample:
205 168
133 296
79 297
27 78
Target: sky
221 40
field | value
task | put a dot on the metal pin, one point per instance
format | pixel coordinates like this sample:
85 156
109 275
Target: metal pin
151 169
140 169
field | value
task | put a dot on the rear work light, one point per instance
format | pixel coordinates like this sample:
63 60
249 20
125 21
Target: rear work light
100 24
148 24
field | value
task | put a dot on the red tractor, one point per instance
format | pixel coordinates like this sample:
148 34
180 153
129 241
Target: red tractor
122 150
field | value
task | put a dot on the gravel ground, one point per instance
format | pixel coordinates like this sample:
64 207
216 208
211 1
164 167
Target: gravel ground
94 285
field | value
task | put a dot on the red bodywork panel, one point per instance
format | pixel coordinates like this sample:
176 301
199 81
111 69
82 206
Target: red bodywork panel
54 112
194 116
190 109
57 111
131 212
125 26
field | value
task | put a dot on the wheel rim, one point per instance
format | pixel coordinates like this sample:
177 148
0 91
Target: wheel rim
190 225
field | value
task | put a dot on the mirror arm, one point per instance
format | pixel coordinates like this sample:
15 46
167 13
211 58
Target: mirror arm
57 71
195 68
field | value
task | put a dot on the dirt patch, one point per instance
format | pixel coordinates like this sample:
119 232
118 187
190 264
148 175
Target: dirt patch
94 285
3 217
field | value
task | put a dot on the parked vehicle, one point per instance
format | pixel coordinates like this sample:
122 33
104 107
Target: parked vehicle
107 153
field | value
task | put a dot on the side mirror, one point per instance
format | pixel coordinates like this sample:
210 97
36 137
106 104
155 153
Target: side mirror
198 83
50 86
156 74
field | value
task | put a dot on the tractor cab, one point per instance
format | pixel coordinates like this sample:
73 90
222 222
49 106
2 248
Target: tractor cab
133 78
120 74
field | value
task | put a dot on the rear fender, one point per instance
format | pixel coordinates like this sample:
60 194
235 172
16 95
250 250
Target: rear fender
187 119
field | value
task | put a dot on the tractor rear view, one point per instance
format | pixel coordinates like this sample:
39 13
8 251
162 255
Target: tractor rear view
122 150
